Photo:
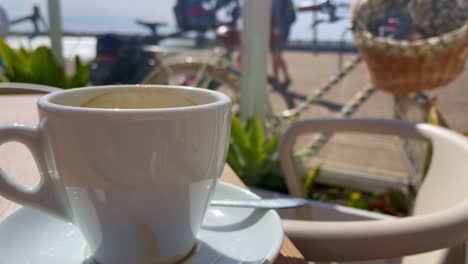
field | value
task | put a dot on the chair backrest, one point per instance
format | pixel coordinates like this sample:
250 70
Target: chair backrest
440 217
446 183
25 88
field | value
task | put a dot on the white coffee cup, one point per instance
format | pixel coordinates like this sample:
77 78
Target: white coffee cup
136 182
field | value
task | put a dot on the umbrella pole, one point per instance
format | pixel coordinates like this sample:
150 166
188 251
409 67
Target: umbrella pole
55 29
255 47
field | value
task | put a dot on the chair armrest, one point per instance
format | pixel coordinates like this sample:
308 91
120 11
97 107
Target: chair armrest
440 217
367 240
378 126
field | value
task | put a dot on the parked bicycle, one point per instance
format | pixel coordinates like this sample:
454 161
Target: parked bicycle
140 59
122 59
36 19
220 68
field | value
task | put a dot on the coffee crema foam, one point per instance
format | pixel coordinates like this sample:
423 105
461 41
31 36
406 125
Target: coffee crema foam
139 98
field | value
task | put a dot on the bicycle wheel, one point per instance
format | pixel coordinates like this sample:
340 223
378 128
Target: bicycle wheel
196 74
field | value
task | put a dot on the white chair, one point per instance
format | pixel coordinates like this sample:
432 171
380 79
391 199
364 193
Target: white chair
25 88
439 221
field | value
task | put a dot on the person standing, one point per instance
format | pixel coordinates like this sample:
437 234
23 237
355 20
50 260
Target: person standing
283 15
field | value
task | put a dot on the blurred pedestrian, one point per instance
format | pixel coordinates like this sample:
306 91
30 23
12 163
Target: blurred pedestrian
283 15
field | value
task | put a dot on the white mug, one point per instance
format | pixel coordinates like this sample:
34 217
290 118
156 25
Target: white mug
136 182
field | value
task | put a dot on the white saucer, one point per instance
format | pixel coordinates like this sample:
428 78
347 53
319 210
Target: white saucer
228 235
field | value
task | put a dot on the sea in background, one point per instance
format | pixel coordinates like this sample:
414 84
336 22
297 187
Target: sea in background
118 16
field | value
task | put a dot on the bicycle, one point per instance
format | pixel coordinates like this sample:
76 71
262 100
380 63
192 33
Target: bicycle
143 61
222 74
121 59
216 66
34 18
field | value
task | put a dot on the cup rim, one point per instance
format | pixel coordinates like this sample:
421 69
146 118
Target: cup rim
45 103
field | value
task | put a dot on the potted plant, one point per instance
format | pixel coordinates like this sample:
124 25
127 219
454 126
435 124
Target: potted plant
39 67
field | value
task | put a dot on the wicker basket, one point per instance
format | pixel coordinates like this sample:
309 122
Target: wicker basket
404 66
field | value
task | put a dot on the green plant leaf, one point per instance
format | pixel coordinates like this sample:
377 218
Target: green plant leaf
240 143
78 63
45 70
310 179
24 52
9 56
239 135
81 75
433 115
253 155
427 160
257 139
16 63
39 66
303 153
233 158
273 179
399 201
248 125
356 200
271 146
3 77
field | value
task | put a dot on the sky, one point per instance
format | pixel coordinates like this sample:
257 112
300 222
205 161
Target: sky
119 16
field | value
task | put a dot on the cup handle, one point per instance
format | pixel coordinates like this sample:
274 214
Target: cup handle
45 196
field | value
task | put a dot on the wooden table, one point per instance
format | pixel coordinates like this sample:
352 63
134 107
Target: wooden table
16 160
